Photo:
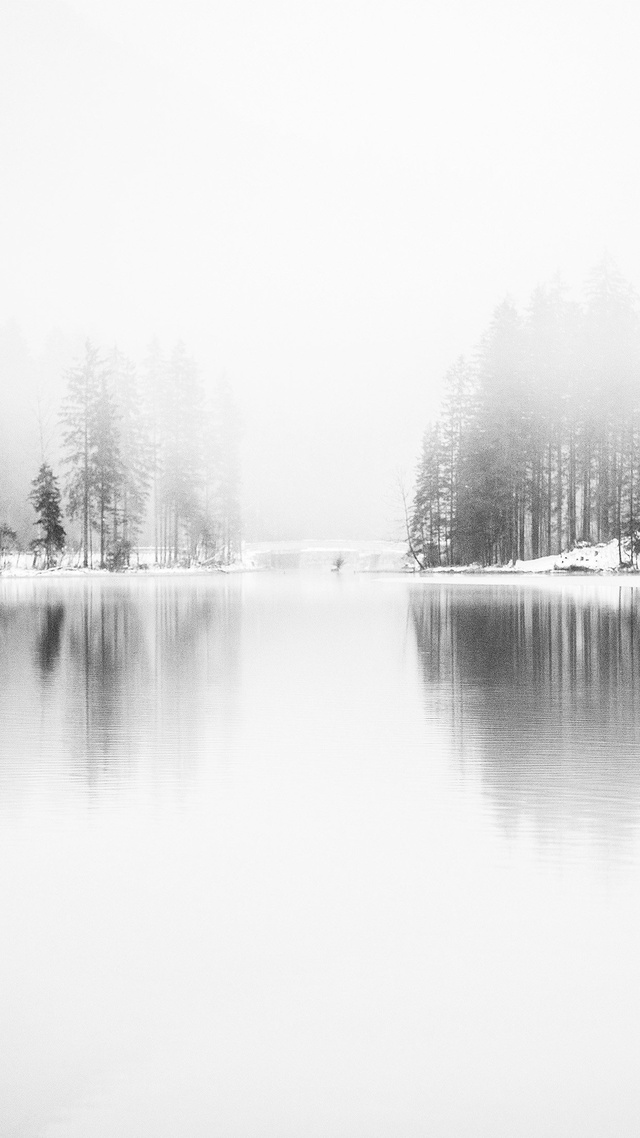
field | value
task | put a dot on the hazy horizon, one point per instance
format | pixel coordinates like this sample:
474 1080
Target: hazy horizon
325 201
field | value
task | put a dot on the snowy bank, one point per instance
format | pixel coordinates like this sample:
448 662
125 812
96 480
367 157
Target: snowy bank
587 558
583 558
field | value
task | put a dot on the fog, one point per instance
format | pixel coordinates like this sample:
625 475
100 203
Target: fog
324 201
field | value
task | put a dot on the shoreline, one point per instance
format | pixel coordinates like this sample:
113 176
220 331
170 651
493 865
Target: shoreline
155 571
584 561
632 576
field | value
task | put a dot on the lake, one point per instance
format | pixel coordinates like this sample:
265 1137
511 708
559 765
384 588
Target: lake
314 855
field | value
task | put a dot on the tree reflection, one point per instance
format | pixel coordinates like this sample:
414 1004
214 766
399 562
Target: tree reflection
538 686
105 682
148 663
49 639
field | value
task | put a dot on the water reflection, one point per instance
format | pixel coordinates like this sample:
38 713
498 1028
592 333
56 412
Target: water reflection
48 646
537 684
101 679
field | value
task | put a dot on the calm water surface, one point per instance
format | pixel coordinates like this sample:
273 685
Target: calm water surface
289 856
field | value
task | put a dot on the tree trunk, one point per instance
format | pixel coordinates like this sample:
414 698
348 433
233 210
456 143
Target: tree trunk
559 494
571 504
549 498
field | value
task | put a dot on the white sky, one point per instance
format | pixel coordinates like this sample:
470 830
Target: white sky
325 200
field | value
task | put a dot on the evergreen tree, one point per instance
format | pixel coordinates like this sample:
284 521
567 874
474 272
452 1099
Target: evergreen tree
8 539
130 444
133 473
46 499
457 415
154 371
429 513
224 442
611 367
538 445
487 422
181 445
106 465
78 416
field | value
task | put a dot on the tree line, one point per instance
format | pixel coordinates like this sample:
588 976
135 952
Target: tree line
537 444
144 453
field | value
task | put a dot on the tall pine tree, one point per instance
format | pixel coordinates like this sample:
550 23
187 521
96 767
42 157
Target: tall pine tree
46 499
78 417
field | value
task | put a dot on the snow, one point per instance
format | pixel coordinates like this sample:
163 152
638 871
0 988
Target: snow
601 558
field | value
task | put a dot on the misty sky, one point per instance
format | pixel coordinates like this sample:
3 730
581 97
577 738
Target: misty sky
325 200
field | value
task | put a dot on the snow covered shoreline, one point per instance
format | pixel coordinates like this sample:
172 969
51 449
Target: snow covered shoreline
598 560
583 558
602 559
66 571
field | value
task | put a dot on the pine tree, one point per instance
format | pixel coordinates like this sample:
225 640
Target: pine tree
429 517
46 500
8 539
78 418
105 460
154 373
181 443
610 367
457 415
548 450
130 445
131 490
225 442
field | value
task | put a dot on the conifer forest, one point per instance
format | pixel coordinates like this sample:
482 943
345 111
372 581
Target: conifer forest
537 444
143 456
